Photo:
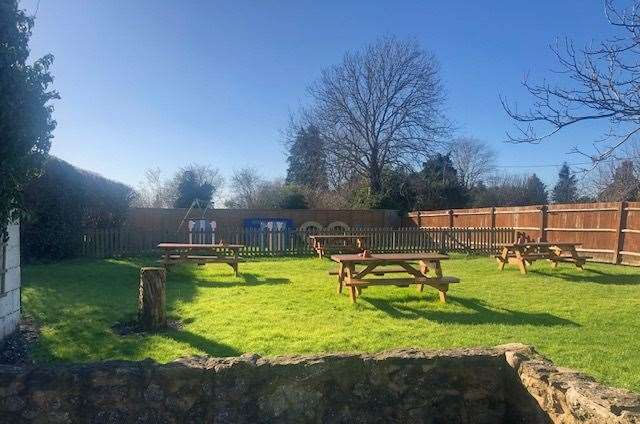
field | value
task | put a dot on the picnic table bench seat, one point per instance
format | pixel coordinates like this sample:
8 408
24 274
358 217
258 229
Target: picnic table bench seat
403 282
379 271
203 258
530 256
573 259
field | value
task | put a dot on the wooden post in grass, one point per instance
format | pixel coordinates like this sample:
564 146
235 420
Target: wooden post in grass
152 299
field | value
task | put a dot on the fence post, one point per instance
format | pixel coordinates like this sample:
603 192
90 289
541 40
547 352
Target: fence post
450 218
493 217
617 247
492 235
543 222
419 220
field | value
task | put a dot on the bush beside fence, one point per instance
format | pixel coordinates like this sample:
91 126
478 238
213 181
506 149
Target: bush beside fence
135 242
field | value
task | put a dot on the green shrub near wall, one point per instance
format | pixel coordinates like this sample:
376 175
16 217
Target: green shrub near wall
63 201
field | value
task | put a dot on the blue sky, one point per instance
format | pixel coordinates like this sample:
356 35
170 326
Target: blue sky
164 83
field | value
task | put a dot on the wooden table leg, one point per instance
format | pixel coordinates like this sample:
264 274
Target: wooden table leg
353 294
235 261
579 262
553 256
341 271
424 269
442 292
502 260
521 262
166 262
438 269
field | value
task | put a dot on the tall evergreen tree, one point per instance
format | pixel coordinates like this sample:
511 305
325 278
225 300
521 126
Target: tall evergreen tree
536 191
195 182
438 186
566 189
307 160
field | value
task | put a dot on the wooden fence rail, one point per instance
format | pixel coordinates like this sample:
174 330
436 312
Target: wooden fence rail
610 232
133 242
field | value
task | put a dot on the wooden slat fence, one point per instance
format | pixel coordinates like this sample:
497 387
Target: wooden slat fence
125 242
610 232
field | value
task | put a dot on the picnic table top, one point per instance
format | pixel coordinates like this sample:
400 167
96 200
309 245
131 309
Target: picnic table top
389 257
336 236
538 243
198 246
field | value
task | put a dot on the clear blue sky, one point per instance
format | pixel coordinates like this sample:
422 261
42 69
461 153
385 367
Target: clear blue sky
165 83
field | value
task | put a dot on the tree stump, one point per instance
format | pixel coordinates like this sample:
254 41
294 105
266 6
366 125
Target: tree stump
152 299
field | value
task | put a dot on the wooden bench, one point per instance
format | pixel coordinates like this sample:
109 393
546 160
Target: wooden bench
529 256
402 282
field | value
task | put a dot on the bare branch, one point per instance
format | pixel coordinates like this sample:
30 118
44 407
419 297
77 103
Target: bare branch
602 82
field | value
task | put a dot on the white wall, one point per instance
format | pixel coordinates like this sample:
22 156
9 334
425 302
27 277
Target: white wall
10 299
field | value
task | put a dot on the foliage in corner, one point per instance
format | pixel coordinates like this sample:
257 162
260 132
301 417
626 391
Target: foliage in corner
63 203
26 124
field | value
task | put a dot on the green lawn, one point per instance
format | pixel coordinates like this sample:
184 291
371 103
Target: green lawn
586 320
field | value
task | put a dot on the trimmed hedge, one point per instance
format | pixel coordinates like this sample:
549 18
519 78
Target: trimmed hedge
64 201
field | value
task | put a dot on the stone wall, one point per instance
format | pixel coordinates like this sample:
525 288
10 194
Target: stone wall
10 296
457 386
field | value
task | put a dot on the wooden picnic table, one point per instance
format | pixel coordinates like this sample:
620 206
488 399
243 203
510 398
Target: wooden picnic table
524 253
355 280
201 254
324 244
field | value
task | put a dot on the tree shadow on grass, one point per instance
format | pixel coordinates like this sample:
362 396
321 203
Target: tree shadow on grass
204 344
477 313
593 276
250 280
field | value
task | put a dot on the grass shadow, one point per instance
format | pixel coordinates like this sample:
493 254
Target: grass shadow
249 280
204 344
255 280
478 313
593 276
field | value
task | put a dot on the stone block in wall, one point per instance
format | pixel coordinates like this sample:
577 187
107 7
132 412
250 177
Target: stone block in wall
8 323
10 298
14 235
10 302
12 257
12 279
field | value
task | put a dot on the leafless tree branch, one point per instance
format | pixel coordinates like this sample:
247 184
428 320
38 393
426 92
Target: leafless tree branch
602 82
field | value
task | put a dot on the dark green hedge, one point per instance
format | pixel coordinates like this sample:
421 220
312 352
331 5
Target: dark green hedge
62 202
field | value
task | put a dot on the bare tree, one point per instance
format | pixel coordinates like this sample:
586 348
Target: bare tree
602 83
153 192
245 184
381 107
474 160
617 181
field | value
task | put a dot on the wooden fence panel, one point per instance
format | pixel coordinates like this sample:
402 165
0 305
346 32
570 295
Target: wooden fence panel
125 242
610 232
